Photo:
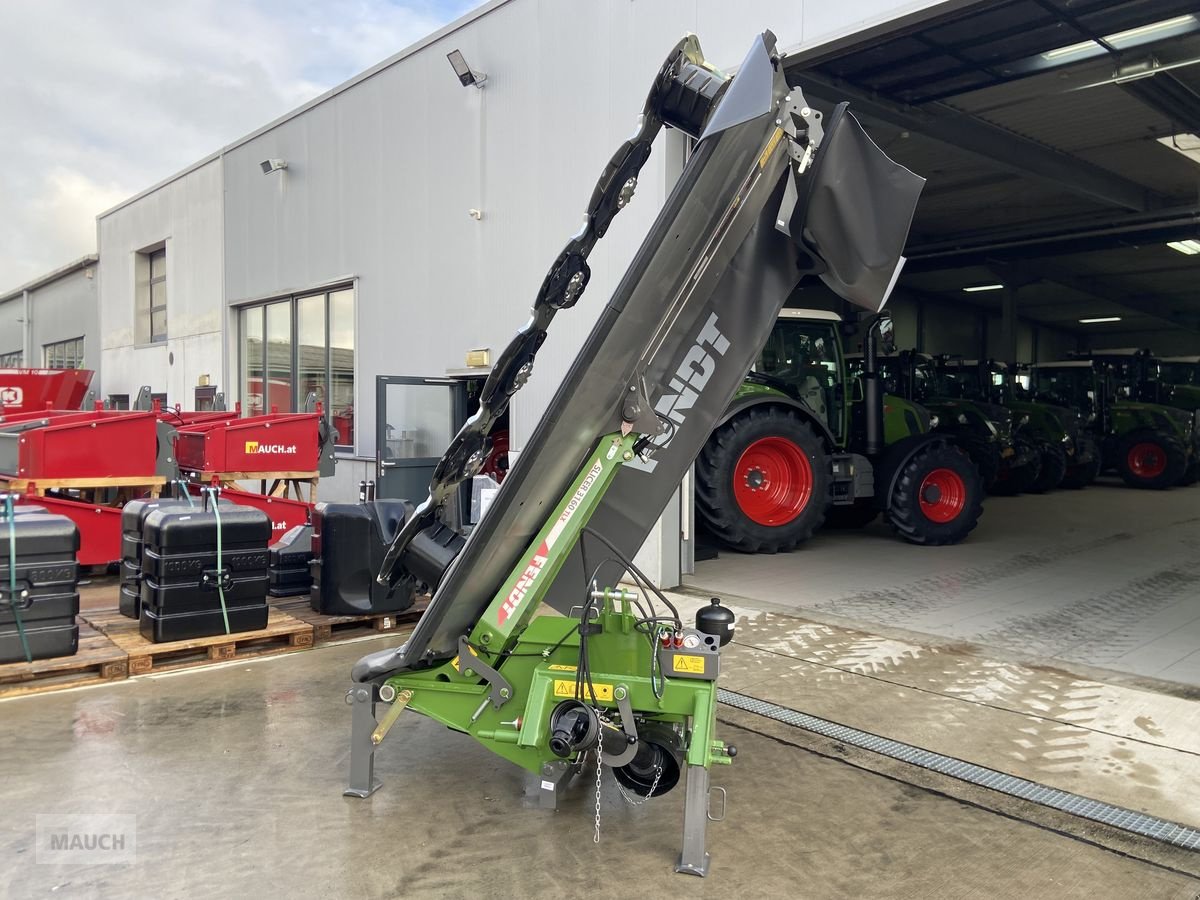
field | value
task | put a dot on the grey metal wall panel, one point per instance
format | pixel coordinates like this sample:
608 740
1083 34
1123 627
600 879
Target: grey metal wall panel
186 213
64 309
381 177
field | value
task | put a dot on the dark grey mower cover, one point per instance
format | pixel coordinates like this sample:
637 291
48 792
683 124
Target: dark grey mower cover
690 315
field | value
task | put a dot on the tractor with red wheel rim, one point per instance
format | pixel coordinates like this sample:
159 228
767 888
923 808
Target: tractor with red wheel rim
802 443
1149 445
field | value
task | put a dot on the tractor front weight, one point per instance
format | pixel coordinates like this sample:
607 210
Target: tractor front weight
549 693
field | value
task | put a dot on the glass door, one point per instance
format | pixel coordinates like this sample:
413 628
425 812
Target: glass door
416 418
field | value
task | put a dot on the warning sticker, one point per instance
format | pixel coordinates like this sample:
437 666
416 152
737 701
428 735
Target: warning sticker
567 689
692 664
560 668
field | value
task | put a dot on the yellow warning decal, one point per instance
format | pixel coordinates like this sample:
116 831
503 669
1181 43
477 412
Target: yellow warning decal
691 664
567 689
771 145
560 668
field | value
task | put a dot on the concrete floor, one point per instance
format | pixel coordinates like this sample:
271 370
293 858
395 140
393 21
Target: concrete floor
235 776
1105 577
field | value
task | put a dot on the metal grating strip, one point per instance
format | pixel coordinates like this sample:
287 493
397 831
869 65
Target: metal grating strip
1084 807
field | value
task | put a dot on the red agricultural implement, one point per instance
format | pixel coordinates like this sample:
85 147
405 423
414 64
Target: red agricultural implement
38 389
88 464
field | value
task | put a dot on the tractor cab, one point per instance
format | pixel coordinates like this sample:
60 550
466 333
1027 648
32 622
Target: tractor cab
803 358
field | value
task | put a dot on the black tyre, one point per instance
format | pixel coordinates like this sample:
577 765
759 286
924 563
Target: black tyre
938 497
762 481
1191 475
1054 467
1150 460
1015 480
1081 474
986 456
856 515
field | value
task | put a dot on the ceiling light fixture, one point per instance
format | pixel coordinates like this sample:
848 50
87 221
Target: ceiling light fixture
975 288
1099 319
1187 248
1184 143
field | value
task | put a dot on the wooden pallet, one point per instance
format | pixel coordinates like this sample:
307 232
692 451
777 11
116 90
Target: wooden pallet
343 628
38 486
282 484
283 634
98 660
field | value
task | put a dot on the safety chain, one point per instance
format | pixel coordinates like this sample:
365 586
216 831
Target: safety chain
599 769
658 770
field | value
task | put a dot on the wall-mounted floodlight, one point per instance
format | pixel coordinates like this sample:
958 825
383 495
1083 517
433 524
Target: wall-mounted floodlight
466 75
272 165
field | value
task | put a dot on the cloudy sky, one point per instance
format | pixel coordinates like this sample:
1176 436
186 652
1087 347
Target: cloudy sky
102 98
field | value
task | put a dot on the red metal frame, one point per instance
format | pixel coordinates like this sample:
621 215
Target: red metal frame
98 444
268 444
34 389
99 526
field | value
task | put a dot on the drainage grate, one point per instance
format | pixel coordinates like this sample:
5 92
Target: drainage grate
1084 807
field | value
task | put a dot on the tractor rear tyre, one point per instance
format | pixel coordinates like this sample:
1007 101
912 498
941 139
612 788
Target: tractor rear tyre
1015 480
938 497
762 481
1151 460
1080 475
1054 467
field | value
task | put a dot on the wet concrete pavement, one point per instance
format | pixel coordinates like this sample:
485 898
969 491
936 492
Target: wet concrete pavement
235 776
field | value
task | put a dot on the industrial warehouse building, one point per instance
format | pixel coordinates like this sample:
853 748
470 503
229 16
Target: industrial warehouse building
377 248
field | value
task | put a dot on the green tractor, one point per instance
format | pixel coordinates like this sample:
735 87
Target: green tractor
801 439
1058 427
1180 380
1149 445
1069 456
1139 375
1008 460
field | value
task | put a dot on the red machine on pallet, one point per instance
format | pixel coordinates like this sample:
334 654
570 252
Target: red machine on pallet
37 389
97 446
281 451
258 444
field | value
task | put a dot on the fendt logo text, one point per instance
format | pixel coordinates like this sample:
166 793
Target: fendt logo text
688 382
256 447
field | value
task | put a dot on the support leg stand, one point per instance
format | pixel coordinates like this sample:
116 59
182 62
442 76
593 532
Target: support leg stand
693 860
542 790
363 784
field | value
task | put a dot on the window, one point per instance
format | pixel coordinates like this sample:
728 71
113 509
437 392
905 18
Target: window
65 354
151 270
13 360
296 347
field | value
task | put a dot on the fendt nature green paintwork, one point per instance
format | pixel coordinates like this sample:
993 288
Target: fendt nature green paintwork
1069 456
1149 445
803 440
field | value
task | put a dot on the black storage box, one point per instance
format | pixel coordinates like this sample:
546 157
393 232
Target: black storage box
288 574
47 576
349 541
133 515
180 574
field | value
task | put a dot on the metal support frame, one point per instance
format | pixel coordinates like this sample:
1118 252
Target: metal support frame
693 858
363 782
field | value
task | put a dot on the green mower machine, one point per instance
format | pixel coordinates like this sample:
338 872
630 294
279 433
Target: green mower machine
774 190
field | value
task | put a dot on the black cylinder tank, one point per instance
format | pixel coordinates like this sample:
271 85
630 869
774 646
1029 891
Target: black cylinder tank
716 620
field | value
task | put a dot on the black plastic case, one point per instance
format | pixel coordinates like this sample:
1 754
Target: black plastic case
180 577
288 574
47 575
349 541
133 515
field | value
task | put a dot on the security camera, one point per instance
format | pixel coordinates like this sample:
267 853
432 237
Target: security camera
272 165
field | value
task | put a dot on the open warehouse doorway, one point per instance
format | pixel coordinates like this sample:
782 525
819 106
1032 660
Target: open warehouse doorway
1060 224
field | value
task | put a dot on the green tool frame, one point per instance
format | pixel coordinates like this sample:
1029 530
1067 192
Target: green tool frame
515 667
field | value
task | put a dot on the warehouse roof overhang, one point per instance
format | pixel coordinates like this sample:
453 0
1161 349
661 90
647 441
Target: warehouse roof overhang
83 262
1061 143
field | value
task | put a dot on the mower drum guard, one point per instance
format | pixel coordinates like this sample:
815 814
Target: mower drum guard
770 193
